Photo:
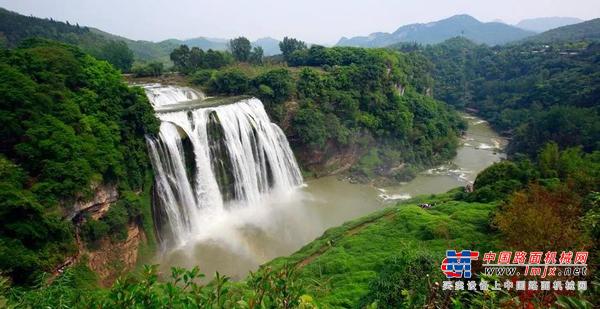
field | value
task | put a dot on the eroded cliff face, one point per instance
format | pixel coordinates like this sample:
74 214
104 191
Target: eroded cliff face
108 258
111 259
333 158
98 205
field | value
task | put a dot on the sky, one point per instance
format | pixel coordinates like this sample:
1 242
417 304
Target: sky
315 21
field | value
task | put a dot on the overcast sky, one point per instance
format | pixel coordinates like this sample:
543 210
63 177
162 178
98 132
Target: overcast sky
317 21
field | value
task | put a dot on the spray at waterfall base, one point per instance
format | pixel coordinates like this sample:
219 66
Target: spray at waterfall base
223 175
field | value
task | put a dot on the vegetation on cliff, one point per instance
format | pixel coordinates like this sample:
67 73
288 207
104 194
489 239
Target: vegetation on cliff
70 124
340 95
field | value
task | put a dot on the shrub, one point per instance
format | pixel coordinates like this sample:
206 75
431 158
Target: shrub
281 83
201 77
232 82
541 219
401 282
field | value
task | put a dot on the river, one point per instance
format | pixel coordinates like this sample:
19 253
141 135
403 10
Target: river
237 241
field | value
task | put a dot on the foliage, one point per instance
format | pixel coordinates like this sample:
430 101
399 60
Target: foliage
289 45
578 170
240 49
311 125
17 28
153 69
542 219
189 60
256 56
347 93
280 82
229 82
201 77
118 54
537 92
264 289
72 124
114 222
401 282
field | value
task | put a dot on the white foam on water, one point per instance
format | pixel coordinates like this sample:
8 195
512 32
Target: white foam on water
234 145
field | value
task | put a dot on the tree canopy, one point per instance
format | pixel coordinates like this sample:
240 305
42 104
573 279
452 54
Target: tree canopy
72 123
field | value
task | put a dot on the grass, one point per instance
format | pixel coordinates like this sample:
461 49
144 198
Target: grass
338 267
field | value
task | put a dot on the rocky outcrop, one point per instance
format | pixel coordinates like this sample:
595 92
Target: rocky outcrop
108 258
333 158
111 258
400 88
98 205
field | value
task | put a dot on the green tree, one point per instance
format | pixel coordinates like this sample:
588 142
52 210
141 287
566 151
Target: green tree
232 82
181 57
118 54
310 125
289 45
77 125
256 56
216 59
240 49
280 82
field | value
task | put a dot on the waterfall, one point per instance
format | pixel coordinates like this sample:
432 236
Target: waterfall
213 158
161 96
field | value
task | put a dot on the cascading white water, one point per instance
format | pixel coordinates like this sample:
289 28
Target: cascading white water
161 96
211 159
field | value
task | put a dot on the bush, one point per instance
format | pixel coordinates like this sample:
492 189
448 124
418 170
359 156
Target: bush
94 230
152 69
540 219
201 77
231 82
281 83
310 126
401 282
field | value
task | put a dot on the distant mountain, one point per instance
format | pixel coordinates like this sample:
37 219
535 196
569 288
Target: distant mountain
143 50
546 23
587 30
270 46
204 43
492 33
15 28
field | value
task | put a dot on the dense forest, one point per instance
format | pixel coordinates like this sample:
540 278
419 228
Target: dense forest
70 124
533 92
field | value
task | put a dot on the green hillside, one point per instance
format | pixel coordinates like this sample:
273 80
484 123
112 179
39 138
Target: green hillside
588 31
350 264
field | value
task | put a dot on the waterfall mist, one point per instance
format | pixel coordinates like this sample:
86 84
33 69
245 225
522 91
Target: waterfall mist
226 183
